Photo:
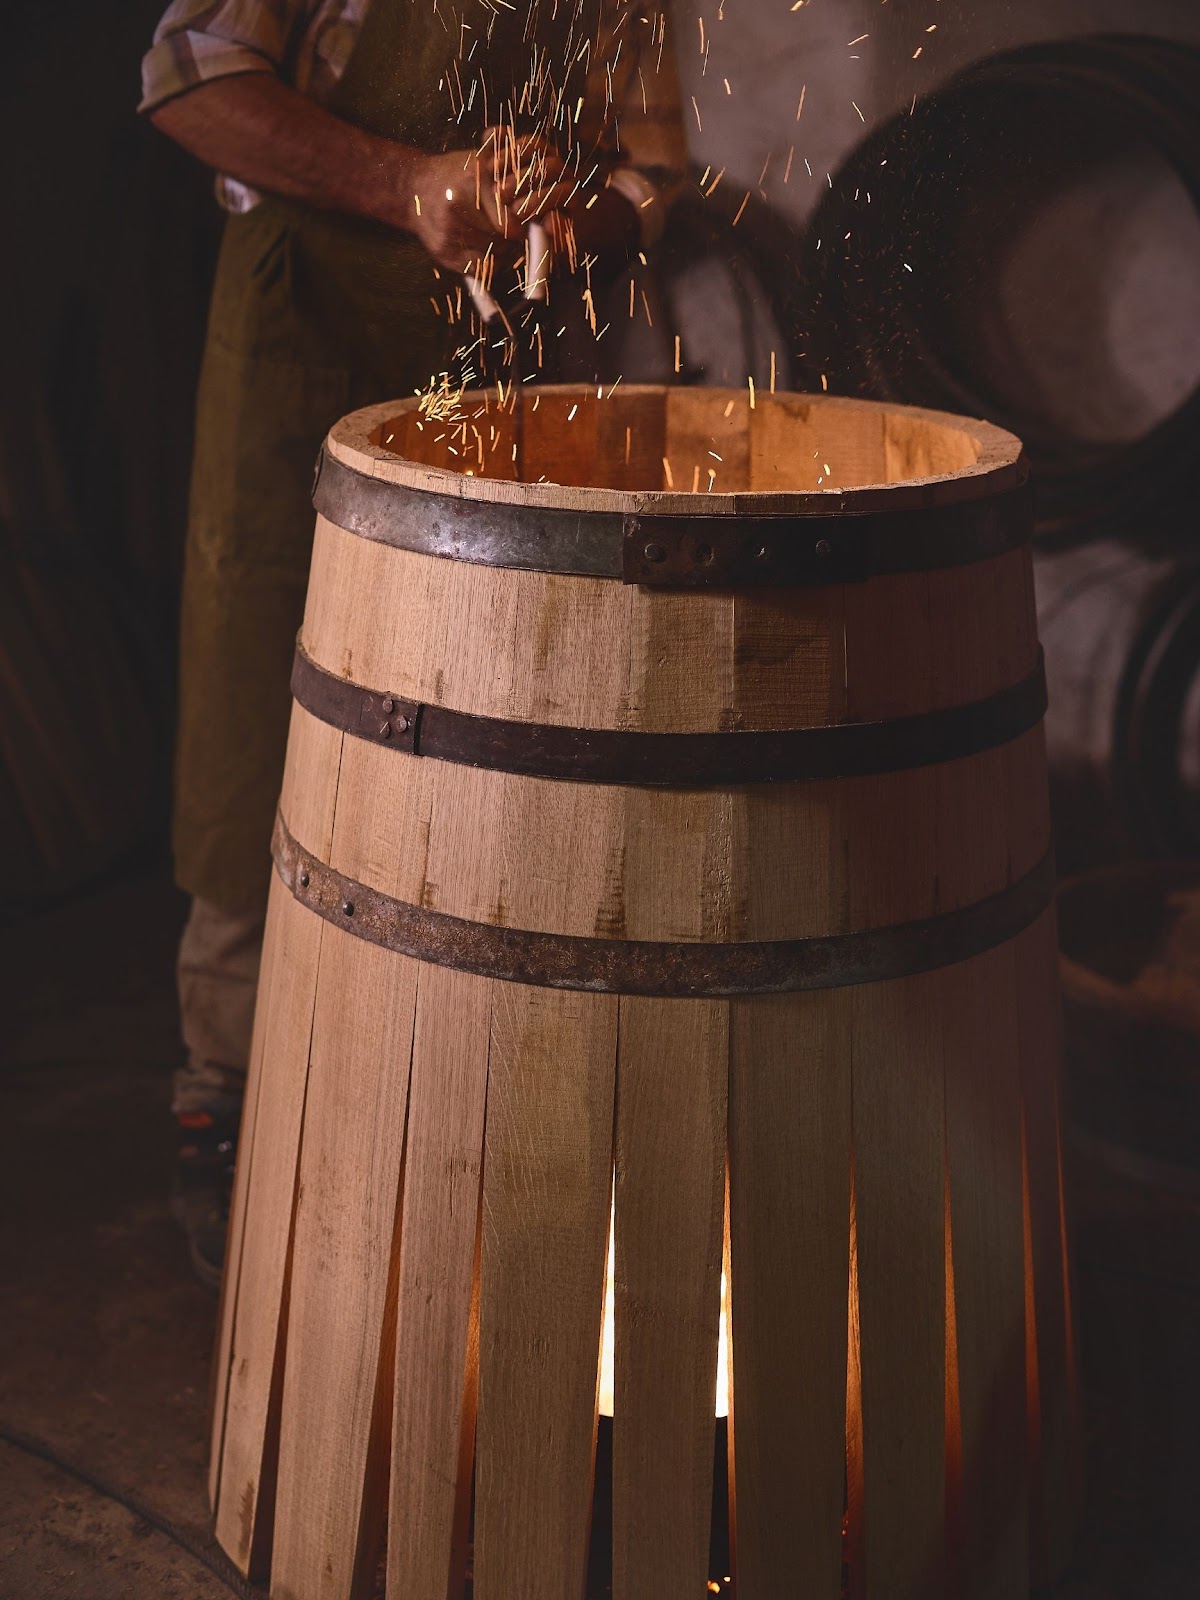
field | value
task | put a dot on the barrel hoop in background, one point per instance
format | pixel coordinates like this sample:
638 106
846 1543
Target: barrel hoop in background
826 546
658 968
670 760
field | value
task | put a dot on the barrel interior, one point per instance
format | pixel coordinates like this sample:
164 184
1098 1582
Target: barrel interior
703 441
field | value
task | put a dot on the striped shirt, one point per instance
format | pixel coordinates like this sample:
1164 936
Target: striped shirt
631 82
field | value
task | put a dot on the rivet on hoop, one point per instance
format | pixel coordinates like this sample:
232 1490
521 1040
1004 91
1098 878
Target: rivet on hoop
655 553
389 705
385 730
402 724
347 908
823 547
304 880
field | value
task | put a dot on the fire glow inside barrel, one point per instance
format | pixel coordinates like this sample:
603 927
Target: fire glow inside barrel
665 818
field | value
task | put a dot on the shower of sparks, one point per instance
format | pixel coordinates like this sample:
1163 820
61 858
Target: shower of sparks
560 124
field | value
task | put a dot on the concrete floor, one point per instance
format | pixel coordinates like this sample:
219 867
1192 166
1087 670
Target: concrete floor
105 1339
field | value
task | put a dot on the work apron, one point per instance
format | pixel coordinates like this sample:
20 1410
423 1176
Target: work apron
312 316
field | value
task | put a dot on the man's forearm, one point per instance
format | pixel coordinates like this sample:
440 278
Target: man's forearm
273 138
270 136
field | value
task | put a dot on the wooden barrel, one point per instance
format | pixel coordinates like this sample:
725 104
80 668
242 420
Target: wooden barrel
1120 625
1131 992
1023 244
685 854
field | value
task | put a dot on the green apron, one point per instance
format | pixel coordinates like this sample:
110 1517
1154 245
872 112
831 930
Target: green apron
312 316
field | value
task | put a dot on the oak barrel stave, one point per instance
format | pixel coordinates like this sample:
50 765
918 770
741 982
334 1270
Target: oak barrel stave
738 1130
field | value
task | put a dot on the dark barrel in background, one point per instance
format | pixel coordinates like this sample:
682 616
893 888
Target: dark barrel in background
1024 245
1012 248
1121 630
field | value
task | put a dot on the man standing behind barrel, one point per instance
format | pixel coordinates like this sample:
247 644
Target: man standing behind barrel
369 152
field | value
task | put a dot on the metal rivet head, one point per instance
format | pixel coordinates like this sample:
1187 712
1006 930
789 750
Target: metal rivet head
385 730
823 547
655 553
763 553
304 880
389 705
402 724
347 908
706 555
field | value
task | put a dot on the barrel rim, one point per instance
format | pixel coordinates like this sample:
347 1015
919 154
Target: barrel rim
1001 466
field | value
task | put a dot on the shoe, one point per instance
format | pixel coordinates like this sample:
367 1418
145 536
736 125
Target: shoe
202 1189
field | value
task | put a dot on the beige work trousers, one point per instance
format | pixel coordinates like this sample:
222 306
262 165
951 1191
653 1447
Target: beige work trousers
219 957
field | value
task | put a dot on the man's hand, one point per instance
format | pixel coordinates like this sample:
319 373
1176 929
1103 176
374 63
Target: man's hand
467 205
464 206
469 208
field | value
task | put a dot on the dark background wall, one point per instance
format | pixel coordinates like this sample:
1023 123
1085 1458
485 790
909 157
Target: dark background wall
769 52
110 237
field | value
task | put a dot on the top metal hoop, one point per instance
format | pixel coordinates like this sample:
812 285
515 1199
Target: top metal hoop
676 552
